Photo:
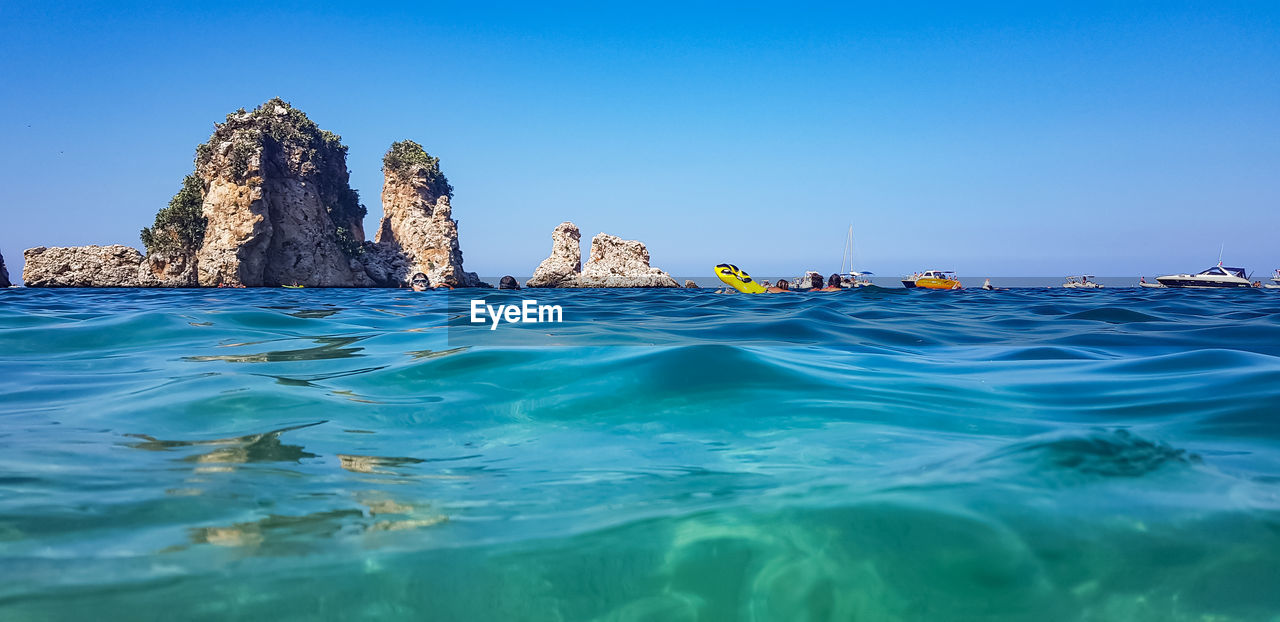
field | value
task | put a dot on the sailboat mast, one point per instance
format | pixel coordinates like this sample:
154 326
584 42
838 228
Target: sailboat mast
847 257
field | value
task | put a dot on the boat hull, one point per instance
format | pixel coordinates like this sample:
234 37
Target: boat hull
1186 283
930 283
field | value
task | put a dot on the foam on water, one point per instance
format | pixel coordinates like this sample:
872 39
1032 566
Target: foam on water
662 455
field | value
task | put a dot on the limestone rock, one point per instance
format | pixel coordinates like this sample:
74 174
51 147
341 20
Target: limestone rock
279 207
82 266
423 230
564 264
417 218
614 262
168 270
689 284
4 274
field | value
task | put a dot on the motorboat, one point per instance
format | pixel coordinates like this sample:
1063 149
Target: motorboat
1275 278
1082 282
932 279
1217 276
806 281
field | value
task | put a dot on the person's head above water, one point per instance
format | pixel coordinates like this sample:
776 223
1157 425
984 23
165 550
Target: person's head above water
815 280
419 282
833 280
782 284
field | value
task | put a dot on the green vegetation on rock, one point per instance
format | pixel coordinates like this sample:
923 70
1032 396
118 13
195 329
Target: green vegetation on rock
277 129
180 227
407 158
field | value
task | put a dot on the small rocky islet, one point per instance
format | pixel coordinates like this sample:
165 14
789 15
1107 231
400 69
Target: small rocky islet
270 204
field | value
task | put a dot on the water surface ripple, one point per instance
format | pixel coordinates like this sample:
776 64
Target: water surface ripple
662 455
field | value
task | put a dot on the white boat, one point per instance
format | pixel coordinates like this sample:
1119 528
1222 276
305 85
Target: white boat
1082 282
1275 278
1146 284
806 281
1217 276
850 278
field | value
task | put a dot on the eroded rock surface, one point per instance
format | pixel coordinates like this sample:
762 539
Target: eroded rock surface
4 274
614 262
689 284
279 207
424 231
168 270
417 218
563 266
82 266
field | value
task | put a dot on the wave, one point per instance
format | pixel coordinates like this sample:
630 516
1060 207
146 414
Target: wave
881 454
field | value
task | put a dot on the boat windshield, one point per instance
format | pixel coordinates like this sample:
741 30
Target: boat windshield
1224 271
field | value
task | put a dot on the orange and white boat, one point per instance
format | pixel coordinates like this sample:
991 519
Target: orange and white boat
932 279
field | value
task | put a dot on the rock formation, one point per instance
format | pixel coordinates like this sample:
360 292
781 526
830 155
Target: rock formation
279 207
508 282
4 274
82 266
689 284
174 238
417 219
162 269
270 204
564 264
614 262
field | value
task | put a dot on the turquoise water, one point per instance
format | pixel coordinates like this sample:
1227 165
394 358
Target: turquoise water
663 455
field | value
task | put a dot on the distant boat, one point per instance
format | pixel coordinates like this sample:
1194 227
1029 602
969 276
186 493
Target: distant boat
849 278
1082 282
1215 277
1275 278
294 286
932 279
806 281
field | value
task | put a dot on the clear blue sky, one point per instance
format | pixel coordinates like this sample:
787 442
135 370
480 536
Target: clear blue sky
992 139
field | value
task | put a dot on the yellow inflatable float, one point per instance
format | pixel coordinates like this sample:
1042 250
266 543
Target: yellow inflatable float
734 277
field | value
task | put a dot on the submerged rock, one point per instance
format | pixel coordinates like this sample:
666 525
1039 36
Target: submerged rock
279 207
614 262
508 282
82 266
4 274
565 262
417 218
689 284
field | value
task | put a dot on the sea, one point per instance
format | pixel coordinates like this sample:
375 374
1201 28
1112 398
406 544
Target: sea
667 455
